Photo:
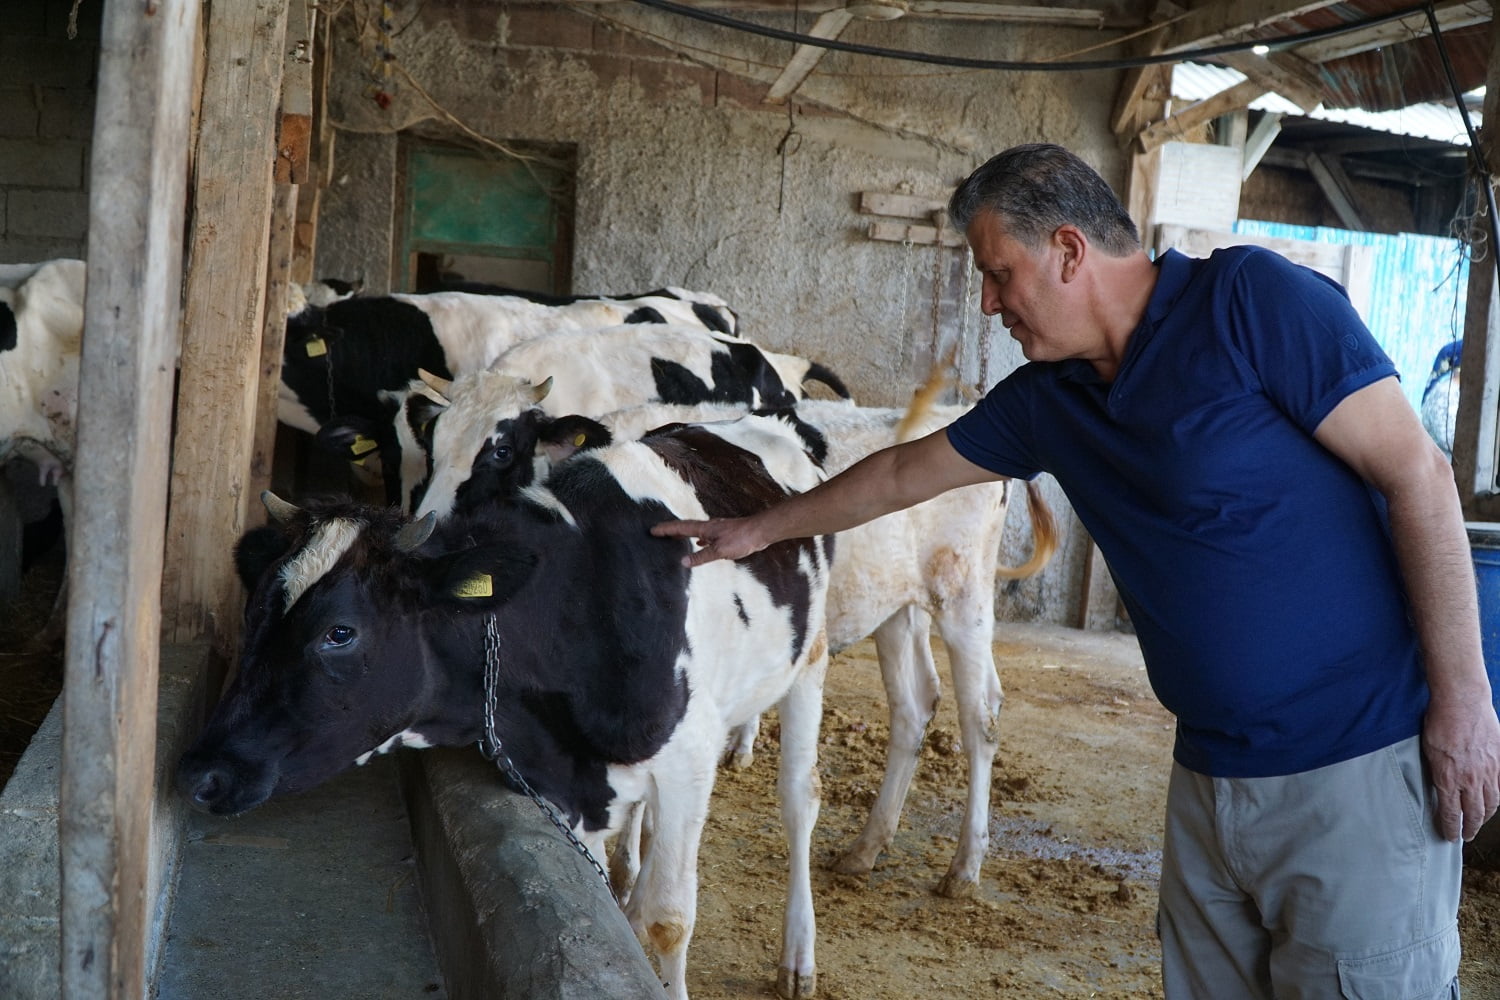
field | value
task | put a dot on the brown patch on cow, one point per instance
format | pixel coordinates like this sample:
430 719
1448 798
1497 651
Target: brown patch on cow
729 481
946 574
819 647
666 937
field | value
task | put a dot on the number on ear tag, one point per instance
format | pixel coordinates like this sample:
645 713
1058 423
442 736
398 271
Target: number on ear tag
478 585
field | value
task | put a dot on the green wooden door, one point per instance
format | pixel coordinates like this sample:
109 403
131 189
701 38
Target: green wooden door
475 217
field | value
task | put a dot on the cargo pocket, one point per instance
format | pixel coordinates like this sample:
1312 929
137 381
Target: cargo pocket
1426 970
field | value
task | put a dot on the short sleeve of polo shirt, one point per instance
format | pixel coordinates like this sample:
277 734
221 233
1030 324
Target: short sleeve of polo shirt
1302 341
996 433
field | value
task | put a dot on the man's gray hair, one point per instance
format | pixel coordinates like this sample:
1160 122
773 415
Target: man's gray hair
1035 188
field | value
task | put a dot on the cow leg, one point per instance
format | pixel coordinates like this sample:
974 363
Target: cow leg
663 907
797 784
56 628
625 858
740 753
969 634
912 691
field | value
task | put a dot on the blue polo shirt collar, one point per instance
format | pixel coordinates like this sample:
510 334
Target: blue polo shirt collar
1173 272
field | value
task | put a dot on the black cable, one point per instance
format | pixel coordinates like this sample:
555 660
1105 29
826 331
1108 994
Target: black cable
1463 111
1285 41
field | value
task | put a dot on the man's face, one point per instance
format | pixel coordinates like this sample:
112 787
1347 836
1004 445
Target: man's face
1025 288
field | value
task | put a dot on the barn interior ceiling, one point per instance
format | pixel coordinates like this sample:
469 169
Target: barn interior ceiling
1371 55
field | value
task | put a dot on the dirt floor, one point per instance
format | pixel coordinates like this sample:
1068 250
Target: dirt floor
1068 893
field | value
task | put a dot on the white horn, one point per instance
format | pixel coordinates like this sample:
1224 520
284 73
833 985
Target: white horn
539 392
436 383
281 511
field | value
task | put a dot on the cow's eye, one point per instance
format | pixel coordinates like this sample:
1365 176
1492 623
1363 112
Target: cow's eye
339 635
503 453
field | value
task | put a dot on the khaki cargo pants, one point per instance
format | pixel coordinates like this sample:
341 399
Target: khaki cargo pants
1332 883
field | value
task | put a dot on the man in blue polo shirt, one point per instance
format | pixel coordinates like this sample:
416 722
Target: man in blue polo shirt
1291 549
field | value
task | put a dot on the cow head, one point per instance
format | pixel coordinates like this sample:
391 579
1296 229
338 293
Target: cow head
338 661
482 433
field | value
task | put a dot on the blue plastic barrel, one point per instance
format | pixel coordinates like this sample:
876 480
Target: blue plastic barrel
1484 544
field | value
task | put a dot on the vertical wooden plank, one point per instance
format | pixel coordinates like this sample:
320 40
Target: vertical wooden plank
320 156
223 319
273 336
137 184
1476 435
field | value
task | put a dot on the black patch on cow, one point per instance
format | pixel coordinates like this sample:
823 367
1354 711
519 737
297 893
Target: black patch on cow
733 482
814 441
257 551
8 328
821 373
503 466
645 314
740 374
739 607
712 318
337 359
341 287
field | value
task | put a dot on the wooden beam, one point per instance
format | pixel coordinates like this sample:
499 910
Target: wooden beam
1451 16
1200 113
900 232
225 305
1221 22
137 181
902 206
1259 141
272 338
1334 184
1292 78
1476 437
805 59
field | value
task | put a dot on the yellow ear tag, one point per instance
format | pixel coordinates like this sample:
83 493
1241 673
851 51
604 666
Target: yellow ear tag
478 585
578 441
316 348
362 445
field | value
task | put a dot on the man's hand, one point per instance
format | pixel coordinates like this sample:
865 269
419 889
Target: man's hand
1461 739
718 538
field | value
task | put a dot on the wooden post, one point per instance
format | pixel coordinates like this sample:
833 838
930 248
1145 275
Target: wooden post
137 184
224 309
273 336
1478 426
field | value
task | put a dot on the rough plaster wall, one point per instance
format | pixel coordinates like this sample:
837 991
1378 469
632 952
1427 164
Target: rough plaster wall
680 181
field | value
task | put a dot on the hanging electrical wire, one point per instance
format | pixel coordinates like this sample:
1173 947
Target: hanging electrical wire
1072 66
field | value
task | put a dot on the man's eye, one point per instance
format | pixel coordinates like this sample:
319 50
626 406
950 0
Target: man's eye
339 635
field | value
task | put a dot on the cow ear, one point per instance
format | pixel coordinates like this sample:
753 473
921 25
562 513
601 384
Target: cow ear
353 438
564 436
481 577
257 551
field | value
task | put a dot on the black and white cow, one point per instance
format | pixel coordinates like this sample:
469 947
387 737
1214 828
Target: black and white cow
622 670
896 577
342 360
591 373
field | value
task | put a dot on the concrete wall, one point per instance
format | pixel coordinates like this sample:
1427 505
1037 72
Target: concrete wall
46 122
680 181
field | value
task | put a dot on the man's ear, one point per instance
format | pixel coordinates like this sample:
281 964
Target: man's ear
1072 247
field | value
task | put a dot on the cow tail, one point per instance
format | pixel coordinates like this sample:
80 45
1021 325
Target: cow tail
921 403
821 373
1044 532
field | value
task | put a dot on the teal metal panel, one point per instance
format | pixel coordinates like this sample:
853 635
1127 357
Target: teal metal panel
458 199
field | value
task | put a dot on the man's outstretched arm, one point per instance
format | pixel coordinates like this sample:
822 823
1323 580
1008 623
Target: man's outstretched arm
887 480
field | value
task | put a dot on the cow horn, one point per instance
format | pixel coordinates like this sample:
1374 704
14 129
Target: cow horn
414 533
281 511
437 384
539 392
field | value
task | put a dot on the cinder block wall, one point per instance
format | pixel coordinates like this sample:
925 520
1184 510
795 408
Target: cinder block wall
46 120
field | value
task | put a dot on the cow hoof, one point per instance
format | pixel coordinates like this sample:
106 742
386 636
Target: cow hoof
791 986
740 760
957 887
851 863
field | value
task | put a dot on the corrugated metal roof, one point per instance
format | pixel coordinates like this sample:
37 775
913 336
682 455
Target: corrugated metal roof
1197 81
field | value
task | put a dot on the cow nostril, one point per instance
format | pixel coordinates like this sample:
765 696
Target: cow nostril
208 789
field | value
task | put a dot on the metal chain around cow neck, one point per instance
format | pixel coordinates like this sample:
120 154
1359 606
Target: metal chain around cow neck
492 748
